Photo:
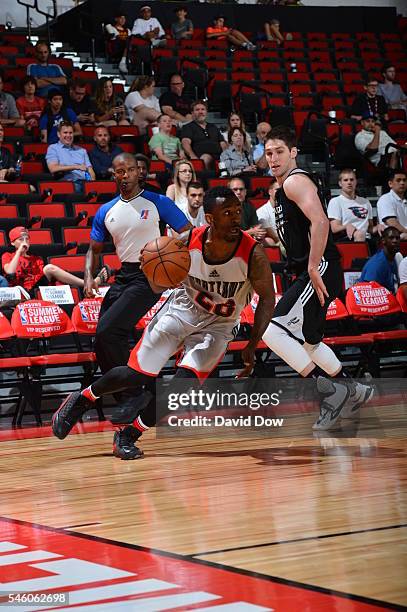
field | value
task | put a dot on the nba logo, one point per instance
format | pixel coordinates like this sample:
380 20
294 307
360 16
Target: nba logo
23 316
84 313
144 214
357 296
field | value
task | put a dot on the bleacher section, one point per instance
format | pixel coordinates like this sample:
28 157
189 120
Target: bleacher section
300 84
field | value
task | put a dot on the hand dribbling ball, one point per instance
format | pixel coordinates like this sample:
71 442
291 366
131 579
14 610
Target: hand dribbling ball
165 261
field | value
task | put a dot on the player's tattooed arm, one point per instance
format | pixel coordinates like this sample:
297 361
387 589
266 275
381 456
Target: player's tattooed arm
261 279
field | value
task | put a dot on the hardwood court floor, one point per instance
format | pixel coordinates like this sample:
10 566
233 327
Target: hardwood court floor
318 516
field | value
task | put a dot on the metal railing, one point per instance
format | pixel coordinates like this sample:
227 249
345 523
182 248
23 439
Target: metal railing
34 5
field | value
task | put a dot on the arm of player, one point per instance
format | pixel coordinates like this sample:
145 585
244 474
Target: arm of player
261 279
92 257
304 193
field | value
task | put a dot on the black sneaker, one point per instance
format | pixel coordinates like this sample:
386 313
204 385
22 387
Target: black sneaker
69 413
123 443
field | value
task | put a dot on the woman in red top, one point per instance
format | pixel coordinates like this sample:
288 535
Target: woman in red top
29 105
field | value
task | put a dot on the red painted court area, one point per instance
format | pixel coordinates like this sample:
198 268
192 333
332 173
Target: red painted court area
101 575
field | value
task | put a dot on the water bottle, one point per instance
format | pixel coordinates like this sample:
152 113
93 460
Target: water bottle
222 169
87 176
17 167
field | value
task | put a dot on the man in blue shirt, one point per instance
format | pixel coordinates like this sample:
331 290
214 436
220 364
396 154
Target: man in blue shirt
103 153
382 267
48 76
65 157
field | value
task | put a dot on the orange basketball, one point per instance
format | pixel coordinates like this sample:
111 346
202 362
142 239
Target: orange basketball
165 261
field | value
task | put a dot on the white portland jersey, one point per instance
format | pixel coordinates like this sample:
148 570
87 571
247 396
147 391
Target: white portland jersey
222 289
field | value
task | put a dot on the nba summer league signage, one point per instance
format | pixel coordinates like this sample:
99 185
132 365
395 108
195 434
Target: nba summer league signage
43 569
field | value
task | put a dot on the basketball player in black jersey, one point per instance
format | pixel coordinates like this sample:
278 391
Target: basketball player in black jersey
297 328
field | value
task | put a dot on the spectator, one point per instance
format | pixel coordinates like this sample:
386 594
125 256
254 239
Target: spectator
109 108
259 156
175 103
48 76
202 140
119 37
369 103
194 209
350 215
149 28
390 90
142 105
29 105
3 282
183 27
222 32
403 277
267 216
383 266
236 120
164 146
184 173
273 32
69 159
7 170
235 158
103 153
80 102
392 206
28 271
372 141
53 114
250 222
8 110
143 167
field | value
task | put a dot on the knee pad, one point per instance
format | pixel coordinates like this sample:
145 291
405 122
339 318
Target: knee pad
324 357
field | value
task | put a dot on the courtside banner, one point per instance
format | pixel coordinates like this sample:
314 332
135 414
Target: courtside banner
44 568
280 407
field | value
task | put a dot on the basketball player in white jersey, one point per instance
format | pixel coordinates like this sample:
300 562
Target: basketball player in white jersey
226 266
296 330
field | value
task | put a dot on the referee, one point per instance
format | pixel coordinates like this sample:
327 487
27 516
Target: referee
132 219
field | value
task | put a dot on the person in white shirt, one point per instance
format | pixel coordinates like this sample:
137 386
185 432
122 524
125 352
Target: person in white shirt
392 206
193 209
143 107
267 216
403 271
372 141
149 28
350 215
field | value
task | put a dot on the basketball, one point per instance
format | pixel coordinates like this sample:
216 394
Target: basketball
165 261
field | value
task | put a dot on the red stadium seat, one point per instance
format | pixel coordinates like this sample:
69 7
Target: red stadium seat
8 211
350 251
70 263
100 187
85 316
58 187
80 235
15 188
41 236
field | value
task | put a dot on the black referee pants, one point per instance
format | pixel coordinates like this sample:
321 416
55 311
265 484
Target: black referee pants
128 299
